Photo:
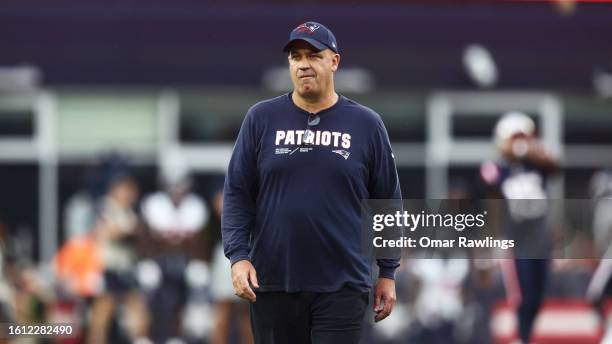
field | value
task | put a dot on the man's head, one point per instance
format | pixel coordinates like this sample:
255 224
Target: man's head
313 59
514 125
123 190
514 134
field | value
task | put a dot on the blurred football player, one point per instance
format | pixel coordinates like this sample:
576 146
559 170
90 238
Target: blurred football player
519 175
175 216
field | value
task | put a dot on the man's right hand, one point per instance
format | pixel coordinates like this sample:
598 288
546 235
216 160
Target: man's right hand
243 272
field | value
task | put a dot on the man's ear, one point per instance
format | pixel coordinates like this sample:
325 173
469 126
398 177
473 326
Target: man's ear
335 62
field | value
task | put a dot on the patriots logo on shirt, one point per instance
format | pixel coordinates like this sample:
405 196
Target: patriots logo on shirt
307 27
342 153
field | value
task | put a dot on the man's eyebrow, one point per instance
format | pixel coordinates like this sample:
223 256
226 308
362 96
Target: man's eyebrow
305 51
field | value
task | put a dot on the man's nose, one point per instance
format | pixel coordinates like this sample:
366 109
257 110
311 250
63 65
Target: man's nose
303 64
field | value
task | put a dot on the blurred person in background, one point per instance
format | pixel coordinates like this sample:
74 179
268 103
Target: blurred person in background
291 225
78 264
601 194
484 288
26 289
7 297
79 212
519 175
439 306
600 286
79 267
439 311
175 217
79 274
115 230
230 310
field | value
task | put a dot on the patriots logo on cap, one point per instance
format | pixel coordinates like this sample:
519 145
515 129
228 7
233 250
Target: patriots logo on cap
307 27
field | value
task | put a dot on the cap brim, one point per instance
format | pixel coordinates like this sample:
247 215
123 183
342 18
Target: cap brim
318 45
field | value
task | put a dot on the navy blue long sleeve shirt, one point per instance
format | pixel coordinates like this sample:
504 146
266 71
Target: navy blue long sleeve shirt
293 208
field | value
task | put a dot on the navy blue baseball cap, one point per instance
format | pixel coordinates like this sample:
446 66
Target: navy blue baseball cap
314 33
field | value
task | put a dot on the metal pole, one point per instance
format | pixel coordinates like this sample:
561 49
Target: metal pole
48 182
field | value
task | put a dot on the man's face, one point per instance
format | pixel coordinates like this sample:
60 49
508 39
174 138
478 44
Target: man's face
311 71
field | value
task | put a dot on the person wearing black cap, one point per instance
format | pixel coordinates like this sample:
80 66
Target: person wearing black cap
291 220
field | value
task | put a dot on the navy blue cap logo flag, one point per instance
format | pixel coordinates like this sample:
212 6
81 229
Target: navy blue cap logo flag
307 27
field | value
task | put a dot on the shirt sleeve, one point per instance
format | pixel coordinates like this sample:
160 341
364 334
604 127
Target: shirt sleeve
239 193
384 184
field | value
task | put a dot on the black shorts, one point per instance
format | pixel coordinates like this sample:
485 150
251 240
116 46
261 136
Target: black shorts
306 317
119 282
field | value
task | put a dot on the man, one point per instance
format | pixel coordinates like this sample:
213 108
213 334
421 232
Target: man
520 176
175 217
291 217
116 231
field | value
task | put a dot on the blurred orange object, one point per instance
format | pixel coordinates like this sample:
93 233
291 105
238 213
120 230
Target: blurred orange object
79 267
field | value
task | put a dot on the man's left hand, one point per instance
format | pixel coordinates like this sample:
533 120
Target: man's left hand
384 298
